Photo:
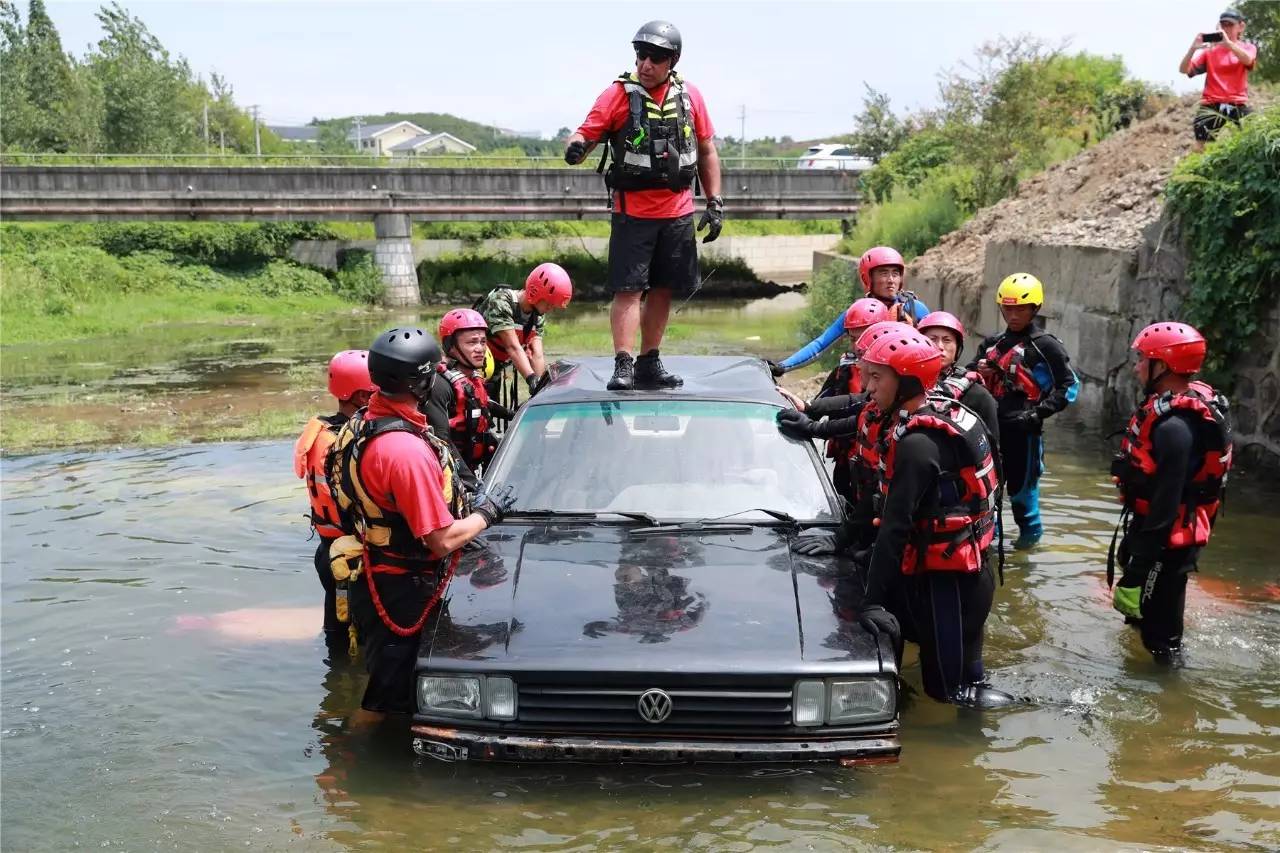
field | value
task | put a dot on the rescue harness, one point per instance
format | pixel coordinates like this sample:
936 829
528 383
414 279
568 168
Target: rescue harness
657 147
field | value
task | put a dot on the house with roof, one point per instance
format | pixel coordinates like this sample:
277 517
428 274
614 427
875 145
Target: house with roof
404 139
296 134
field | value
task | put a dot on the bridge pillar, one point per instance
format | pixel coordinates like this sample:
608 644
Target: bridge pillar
393 255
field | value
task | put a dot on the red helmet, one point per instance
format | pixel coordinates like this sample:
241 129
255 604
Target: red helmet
878 256
864 312
908 354
943 320
1179 346
549 283
457 320
876 331
349 373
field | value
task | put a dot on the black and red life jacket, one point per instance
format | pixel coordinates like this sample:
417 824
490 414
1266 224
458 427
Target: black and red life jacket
1136 464
1013 376
956 384
864 458
955 534
848 380
469 421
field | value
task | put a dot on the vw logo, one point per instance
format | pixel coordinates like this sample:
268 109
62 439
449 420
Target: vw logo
654 705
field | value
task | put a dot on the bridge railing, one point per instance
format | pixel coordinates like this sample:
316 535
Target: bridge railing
427 161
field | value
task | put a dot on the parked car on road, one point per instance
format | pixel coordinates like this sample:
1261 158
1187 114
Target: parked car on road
831 155
642 601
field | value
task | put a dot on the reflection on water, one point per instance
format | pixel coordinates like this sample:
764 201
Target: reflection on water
134 716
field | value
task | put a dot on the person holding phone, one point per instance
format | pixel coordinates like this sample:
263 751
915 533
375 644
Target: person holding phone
1225 60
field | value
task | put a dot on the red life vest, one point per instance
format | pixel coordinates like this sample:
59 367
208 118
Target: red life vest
309 454
469 421
1200 501
955 385
865 456
1012 375
956 535
848 375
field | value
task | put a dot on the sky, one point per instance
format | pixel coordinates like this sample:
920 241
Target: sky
797 68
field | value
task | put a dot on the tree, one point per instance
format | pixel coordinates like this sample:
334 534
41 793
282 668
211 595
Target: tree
877 131
39 89
1262 27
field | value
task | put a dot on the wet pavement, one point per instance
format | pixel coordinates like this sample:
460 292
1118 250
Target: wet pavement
163 687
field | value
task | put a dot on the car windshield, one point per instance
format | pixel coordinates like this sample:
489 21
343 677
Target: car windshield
671 459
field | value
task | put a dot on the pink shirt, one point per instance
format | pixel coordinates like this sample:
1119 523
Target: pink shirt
1226 79
610 113
402 472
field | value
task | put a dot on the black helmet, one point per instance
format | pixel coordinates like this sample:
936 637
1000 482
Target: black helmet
661 34
403 361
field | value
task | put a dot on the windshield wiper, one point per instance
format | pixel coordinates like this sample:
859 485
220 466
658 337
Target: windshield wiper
580 513
710 526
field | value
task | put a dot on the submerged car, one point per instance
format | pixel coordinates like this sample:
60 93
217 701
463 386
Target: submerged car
642 601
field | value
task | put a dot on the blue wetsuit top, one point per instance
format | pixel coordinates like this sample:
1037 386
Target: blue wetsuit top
810 351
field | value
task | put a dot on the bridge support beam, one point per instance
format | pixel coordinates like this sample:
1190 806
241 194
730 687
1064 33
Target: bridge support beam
393 255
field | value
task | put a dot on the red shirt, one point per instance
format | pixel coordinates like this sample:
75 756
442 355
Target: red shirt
610 113
401 471
1226 78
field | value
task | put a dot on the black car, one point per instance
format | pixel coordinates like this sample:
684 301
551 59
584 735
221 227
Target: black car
642 602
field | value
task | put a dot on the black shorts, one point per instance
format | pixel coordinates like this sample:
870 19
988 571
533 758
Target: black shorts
1210 118
646 253
389 658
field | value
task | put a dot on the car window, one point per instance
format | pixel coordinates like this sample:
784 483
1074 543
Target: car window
674 459
844 152
814 150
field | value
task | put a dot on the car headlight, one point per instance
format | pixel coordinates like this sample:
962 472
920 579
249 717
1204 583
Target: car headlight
499 698
450 696
863 700
807 703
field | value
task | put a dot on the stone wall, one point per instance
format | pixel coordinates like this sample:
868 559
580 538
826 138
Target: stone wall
1096 301
782 257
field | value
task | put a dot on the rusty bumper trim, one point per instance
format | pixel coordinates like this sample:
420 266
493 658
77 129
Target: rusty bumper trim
456 745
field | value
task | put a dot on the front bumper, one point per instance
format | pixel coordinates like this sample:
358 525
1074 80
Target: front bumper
456 745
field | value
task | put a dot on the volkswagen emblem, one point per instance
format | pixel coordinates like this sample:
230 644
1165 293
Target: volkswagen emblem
654 705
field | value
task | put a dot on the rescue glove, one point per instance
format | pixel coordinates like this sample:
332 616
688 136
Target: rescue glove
1127 596
574 153
816 546
775 369
712 219
495 506
795 424
880 622
536 383
1027 419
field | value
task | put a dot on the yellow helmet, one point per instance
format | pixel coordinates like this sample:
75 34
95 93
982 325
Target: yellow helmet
488 363
1021 288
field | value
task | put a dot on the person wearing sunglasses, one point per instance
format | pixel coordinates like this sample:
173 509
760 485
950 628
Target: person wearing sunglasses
1225 60
658 135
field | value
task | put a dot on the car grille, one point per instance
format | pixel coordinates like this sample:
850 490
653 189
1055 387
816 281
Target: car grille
615 708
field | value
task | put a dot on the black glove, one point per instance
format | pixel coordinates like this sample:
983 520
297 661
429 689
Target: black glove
880 622
816 546
574 153
795 424
495 506
775 368
1028 419
862 559
713 216
535 382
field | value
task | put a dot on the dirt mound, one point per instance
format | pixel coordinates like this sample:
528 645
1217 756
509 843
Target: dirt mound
1104 196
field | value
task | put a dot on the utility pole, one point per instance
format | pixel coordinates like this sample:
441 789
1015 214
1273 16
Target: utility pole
257 137
742 137
359 135
206 127
222 141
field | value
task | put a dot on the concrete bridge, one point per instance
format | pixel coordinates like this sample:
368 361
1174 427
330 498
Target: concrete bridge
390 196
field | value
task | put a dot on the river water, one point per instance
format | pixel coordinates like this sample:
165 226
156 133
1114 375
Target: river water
164 687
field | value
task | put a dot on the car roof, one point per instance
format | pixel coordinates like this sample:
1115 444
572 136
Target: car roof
719 377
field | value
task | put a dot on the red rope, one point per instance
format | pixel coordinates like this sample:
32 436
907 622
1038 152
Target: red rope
431 604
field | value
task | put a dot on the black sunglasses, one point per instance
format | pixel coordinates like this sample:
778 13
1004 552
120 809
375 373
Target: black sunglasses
655 55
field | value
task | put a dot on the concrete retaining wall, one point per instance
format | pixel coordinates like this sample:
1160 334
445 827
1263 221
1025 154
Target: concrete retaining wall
1097 300
769 257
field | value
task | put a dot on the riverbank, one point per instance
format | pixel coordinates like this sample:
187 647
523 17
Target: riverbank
262 378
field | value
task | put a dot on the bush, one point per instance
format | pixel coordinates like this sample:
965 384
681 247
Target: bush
833 288
1227 200
913 220
358 279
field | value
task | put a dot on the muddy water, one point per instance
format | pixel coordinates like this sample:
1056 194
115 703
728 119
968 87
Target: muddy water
143 708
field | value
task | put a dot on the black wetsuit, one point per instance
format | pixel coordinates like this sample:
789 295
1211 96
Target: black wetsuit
943 611
841 412
1174 446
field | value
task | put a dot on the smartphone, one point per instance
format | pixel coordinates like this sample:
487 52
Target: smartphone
1209 38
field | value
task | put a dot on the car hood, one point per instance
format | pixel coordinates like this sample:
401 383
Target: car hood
596 597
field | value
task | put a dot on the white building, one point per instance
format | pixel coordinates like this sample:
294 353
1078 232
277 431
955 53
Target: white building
405 139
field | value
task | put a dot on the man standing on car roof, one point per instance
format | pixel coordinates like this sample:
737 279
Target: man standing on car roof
659 135
398 493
